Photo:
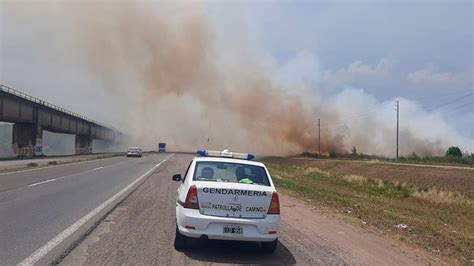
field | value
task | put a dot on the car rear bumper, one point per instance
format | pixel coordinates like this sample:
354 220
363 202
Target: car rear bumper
213 227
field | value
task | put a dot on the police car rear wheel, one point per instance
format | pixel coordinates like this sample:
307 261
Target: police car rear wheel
179 240
269 247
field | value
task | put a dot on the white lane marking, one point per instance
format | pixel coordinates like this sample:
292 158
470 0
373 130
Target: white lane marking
44 250
54 166
66 176
42 182
98 168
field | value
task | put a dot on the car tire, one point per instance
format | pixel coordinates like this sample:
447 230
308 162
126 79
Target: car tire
179 240
270 247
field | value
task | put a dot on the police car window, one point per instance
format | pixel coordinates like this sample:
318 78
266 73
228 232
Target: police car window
231 172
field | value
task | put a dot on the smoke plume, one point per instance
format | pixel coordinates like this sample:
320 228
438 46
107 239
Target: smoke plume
164 79
170 56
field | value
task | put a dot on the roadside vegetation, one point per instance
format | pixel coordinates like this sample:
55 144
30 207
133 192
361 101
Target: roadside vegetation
453 156
437 219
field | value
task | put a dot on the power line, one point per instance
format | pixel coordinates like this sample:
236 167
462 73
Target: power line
451 101
454 105
459 107
342 121
428 99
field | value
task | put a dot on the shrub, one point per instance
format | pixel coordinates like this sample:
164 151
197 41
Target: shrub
454 151
414 156
354 150
310 155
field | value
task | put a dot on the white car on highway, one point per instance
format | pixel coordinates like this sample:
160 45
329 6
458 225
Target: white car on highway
227 196
134 152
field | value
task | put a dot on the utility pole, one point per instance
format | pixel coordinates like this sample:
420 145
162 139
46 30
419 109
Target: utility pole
319 136
398 117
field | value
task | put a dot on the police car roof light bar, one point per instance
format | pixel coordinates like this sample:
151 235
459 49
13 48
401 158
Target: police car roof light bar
225 153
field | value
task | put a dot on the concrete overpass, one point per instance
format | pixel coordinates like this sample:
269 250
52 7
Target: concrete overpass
31 116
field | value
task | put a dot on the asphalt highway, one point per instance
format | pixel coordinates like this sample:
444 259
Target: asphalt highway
38 204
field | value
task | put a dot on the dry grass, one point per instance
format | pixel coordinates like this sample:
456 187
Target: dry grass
354 178
433 195
311 170
439 196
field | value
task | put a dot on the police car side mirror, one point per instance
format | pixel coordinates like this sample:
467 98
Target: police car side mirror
177 177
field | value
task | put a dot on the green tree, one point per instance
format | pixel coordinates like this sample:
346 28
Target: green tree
454 151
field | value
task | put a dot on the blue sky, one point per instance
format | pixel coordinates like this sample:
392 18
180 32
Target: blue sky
436 35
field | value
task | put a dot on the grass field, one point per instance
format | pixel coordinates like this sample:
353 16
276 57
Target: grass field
438 212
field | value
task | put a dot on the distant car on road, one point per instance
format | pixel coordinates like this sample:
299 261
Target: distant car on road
134 152
226 196
162 147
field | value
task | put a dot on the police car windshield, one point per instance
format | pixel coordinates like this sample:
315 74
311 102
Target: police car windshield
231 172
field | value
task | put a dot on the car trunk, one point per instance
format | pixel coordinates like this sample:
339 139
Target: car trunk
233 199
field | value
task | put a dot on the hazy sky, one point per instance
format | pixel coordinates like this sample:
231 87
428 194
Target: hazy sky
418 50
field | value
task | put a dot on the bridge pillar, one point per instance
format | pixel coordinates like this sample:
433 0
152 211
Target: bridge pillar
83 144
27 140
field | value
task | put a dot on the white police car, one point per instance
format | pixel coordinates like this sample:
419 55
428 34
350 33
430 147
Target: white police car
227 196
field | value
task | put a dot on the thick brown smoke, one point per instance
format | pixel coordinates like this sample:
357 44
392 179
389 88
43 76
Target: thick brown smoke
171 53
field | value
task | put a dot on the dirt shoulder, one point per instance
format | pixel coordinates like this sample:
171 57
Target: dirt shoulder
141 231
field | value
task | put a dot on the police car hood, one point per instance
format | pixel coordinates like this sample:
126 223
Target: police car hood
233 199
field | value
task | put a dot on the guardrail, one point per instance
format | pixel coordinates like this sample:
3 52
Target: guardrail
44 103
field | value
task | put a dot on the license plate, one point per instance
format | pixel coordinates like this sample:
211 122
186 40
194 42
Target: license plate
233 229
